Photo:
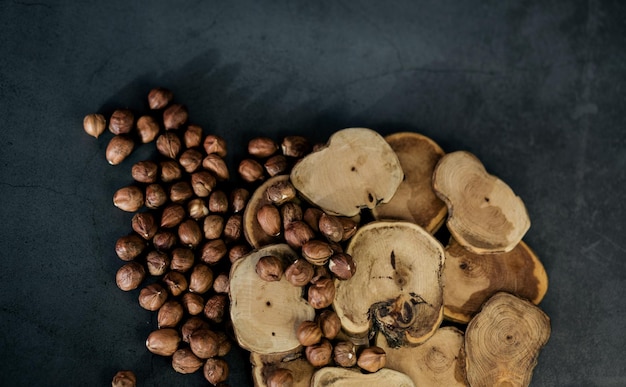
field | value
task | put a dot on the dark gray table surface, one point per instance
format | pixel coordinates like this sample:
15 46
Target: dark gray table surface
537 90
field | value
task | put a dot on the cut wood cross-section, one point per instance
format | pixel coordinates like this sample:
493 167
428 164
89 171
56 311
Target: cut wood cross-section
346 377
264 365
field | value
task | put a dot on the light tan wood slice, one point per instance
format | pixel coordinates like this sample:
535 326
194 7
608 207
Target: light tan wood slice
484 214
356 169
414 200
263 365
397 287
439 361
503 341
470 279
264 314
347 377
253 232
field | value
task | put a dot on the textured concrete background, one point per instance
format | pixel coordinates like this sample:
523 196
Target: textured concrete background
537 90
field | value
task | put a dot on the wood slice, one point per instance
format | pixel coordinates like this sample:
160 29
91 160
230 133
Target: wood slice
252 230
471 279
346 377
502 342
263 365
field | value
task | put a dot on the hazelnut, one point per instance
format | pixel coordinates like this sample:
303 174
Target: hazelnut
197 208
321 293
250 170
215 307
299 273
316 252
157 263
224 344
221 284
213 251
124 379
172 215
155 196
147 128
268 217
158 98
218 202
290 212
213 226
175 116
164 240
130 276
280 192
170 171
175 282
163 342
201 279
276 165
94 124
342 266
233 228
215 370
182 259
319 354
279 377
169 314
180 192
372 359
168 144
129 247
331 227
190 160
329 323
202 183
262 147
216 165
308 333
145 171
312 217
191 325
204 343
238 199
344 354
295 146
185 362
269 268
193 136
144 224
215 144
189 233
129 199
152 297
349 227
238 251
121 121
119 147
297 234
193 303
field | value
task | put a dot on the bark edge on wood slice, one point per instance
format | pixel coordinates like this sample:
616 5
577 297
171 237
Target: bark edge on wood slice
415 200
252 230
356 169
263 365
484 214
439 361
348 377
469 279
397 287
503 341
265 314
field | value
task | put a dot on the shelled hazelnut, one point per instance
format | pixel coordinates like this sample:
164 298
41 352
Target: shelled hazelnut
119 147
129 199
191 325
147 129
158 98
184 361
276 165
152 297
144 224
268 217
94 124
193 303
250 170
215 370
216 165
121 121
175 116
372 359
215 307
157 263
299 273
321 293
129 247
201 279
155 196
215 144
175 282
193 136
124 378
309 333
163 342
168 144
319 354
130 276
169 314
204 343
344 354
269 268
279 377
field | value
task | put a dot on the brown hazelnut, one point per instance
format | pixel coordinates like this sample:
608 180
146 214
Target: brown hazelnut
316 252
213 225
193 303
170 171
175 282
191 325
152 297
130 276
204 343
164 240
218 202
145 171
275 165
295 146
201 279
372 359
329 323
215 370
119 147
299 273
193 136
342 266
182 259
155 196
180 192
147 128
279 377
290 212
129 247
344 354
172 215
121 121
308 333
215 307
280 192
215 144
320 272
197 208
168 144
269 268
268 217
233 228
213 251
94 124
175 116
216 165
238 199
297 234
262 147
163 342
349 227
157 263
124 379
238 251
221 284
224 344
170 314
185 362
312 217
250 170
190 160
202 183
158 98
319 354
321 293
129 199
144 224
331 227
